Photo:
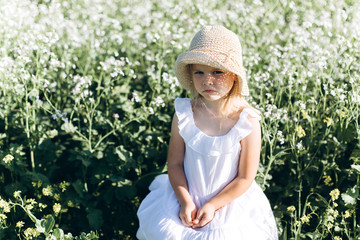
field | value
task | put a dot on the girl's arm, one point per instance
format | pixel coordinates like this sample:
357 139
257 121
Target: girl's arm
248 166
177 175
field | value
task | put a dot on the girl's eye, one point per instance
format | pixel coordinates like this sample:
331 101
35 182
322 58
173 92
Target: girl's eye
198 72
218 72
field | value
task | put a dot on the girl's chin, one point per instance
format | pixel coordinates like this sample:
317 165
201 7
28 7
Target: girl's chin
211 97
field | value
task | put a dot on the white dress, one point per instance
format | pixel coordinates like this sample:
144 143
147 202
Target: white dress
210 163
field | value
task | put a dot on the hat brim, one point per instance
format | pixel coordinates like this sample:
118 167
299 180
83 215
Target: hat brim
211 59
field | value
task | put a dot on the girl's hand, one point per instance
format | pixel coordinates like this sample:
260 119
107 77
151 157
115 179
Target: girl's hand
187 213
204 215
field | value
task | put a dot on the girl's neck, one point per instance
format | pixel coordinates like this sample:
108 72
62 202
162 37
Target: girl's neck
213 108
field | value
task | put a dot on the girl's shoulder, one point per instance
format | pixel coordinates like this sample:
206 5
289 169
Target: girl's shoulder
182 105
249 112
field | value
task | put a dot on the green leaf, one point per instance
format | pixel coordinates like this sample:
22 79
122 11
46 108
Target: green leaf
68 127
314 235
355 155
356 167
90 236
79 187
52 133
58 234
85 158
51 237
164 118
350 196
40 225
95 218
284 234
49 224
122 153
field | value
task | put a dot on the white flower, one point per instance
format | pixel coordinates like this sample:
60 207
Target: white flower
8 159
151 110
135 97
159 102
114 74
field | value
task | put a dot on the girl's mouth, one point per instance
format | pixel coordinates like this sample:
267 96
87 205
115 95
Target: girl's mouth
209 91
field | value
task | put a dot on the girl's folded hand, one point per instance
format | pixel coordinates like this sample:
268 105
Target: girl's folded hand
187 213
204 215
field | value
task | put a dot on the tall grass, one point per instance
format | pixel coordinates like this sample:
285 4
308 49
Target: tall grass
87 90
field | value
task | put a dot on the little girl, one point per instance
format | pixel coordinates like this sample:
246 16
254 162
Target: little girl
210 192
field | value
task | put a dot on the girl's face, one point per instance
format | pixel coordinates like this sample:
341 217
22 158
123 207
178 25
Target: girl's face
212 83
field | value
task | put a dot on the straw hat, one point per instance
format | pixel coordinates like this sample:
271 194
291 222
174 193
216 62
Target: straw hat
214 46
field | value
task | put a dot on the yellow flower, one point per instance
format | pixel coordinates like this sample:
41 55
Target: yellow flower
37 184
300 131
47 191
30 233
57 208
347 214
304 114
70 204
330 226
41 205
57 196
4 205
327 181
337 238
305 219
20 224
291 209
29 207
63 185
8 158
2 216
31 201
334 194
27 233
17 194
330 211
328 121
342 114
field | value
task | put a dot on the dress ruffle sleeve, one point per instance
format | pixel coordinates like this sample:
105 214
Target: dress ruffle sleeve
209 145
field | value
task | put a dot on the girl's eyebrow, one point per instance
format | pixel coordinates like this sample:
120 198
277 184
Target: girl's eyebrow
201 70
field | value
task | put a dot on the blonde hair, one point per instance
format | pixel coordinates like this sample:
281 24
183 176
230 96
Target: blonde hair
234 102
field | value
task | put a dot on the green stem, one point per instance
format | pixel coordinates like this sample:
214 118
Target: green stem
271 160
354 214
81 135
32 157
90 135
103 137
51 105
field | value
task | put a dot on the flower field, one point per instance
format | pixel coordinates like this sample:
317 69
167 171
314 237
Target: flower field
87 92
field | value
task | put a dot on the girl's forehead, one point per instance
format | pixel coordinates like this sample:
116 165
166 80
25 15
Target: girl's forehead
203 67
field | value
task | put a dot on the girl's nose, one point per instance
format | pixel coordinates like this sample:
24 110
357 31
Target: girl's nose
209 79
